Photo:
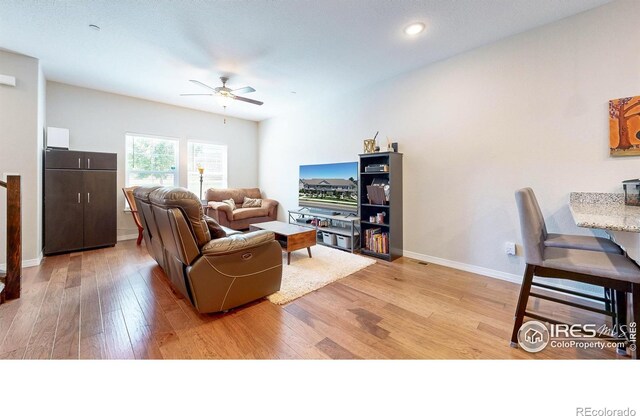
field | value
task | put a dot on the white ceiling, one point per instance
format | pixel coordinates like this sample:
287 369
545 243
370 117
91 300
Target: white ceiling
317 48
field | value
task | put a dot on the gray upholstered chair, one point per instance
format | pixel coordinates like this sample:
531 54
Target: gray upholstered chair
581 242
605 269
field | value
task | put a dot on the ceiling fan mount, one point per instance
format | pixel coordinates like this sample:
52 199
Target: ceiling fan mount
227 93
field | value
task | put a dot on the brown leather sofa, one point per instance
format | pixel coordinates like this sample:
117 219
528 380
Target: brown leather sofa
214 274
240 218
150 231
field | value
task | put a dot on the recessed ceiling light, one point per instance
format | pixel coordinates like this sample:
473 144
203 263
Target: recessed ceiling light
414 28
95 27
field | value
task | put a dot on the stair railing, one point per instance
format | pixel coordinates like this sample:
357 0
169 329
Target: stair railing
14 238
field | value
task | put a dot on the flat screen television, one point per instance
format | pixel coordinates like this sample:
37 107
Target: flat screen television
329 187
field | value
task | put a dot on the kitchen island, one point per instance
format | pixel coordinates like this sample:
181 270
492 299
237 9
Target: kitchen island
607 211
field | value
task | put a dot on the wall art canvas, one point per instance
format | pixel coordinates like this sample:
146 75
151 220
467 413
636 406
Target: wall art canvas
624 126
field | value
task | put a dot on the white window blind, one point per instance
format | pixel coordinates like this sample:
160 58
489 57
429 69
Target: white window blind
212 158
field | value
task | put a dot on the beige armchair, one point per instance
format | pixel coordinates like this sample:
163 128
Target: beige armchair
214 274
241 217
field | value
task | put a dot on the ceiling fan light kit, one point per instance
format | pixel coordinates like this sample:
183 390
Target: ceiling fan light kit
224 95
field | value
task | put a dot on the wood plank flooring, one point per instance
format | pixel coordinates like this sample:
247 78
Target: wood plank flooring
116 303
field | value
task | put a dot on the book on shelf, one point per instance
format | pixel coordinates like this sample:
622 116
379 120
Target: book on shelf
377 241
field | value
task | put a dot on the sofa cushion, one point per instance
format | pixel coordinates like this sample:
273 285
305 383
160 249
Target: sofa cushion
189 203
215 229
229 231
244 213
231 203
251 202
582 242
237 194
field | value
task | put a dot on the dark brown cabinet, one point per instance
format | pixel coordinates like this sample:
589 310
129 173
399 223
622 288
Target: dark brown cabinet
64 210
80 192
99 225
63 159
100 161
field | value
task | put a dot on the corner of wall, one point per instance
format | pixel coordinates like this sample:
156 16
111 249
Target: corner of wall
42 123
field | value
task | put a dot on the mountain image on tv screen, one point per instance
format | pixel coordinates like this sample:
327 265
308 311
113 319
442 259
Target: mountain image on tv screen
332 186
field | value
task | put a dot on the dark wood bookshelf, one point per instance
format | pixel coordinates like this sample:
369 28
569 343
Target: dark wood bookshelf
376 254
374 223
373 205
392 207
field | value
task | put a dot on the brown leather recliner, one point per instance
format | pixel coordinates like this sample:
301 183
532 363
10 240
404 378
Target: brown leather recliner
149 229
215 275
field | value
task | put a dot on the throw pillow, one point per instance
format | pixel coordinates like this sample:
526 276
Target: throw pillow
231 203
214 228
252 202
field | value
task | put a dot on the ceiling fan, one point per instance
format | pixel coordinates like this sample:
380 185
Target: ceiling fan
225 93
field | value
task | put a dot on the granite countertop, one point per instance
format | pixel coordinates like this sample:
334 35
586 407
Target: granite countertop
605 211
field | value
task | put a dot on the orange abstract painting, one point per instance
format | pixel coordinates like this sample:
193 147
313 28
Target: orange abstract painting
624 126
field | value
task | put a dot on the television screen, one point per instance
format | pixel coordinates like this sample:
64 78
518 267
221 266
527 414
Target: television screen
332 186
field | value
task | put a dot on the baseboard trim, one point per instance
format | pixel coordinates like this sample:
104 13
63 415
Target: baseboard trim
128 237
25 263
496 274
509 277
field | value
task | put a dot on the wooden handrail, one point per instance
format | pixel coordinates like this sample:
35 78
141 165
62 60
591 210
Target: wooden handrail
14 238
3 184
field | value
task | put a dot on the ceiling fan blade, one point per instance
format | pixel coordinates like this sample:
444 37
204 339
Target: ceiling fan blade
200 83
248 100
244 90
196 94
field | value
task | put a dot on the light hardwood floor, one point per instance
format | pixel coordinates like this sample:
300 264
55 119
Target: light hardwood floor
116 303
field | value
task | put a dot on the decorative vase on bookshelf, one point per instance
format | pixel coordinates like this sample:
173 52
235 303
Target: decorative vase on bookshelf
380 182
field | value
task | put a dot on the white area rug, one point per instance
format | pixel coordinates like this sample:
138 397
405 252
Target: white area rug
306 274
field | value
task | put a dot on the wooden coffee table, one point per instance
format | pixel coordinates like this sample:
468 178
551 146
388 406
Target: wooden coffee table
292 237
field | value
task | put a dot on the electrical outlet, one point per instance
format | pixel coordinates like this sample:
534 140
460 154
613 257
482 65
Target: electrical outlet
510 248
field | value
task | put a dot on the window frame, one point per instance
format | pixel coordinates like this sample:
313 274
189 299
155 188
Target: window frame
127 171
211 143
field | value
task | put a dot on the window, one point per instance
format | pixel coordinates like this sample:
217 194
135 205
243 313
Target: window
213 159
151 160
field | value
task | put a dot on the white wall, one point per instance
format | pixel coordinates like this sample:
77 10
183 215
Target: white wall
42 122
98 121
19 118
530 110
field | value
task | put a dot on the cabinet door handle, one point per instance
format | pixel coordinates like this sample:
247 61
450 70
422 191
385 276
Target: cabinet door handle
78 197
79 163
89 163
88 197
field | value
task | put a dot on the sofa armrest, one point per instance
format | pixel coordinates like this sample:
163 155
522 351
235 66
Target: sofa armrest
237 242
271 204
219 207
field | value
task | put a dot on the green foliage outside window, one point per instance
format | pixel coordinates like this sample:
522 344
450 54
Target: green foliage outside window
151 160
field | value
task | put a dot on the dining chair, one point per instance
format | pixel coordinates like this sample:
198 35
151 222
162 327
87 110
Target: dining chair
580 242
128 194
606 269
